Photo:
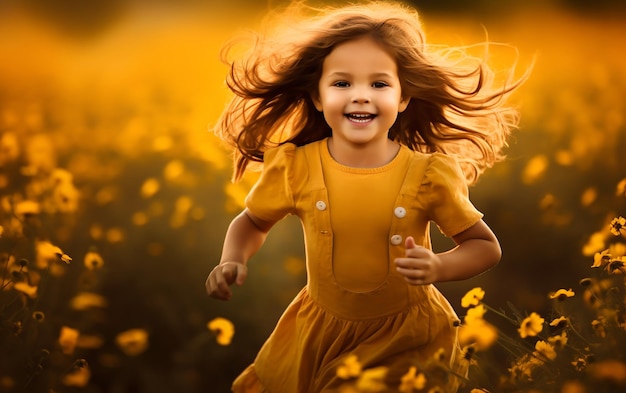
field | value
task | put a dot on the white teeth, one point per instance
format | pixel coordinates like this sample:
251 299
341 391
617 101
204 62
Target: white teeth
360 117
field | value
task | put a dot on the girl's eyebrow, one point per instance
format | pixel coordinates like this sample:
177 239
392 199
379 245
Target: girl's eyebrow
340 74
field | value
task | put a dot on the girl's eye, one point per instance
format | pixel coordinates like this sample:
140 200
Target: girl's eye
341 84
379 85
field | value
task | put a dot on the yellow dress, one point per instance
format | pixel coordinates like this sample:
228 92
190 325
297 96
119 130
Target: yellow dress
355 221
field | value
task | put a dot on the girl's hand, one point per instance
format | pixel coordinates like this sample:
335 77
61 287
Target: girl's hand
223 276
420 266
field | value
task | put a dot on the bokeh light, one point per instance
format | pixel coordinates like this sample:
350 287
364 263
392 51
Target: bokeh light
116 194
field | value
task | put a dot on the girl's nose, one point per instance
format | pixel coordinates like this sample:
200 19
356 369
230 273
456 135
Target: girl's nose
360 99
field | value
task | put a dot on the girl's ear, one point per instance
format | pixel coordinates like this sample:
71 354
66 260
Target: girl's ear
404 103
316 102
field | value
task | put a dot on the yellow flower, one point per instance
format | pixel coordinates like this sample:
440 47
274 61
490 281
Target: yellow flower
348 388
559 340
65 197
132 342
580 363
295 266
65 258
595 243
114 235
39 316
46 253
524 367
545 349
573 387
617 248
237 192
440 355
7 383
468 352
27 208
87 300
9 147
67 339
481 390
140 219
562 294
548 201
93 260
349 368
150 187
480 333
473 297
173 170
535 168
617 265
96 231
372 380
589 196
78 377
601 259
618 226
28 290
531 326
559 322
620 190
61 176
609 370
598 327
224 329
89 341
475 314
411 381
105 195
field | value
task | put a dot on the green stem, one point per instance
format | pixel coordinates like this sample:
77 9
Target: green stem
4 273
500 313
578 334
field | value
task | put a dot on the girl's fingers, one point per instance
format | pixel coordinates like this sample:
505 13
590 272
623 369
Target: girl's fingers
410 243
223 276
410 273
410 263
414 276
242 274
218 285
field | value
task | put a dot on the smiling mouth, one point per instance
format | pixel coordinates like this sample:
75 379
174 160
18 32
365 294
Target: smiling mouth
360 117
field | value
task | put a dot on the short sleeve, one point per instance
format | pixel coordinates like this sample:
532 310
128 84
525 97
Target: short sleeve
445 193
271 198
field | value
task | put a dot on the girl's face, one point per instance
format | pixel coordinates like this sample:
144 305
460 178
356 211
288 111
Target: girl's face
359 92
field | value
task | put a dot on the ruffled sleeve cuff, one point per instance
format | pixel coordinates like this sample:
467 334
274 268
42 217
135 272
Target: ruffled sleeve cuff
271 197
445 193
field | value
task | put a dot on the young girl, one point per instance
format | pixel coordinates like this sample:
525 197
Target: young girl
366 135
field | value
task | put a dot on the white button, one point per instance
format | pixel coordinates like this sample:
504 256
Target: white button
399 212
320 205
396 239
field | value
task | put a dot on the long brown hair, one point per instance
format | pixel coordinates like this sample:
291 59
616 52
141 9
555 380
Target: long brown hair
454 109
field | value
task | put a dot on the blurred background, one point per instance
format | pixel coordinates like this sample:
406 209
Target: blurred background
105 111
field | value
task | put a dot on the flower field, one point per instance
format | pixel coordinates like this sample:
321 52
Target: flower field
115 197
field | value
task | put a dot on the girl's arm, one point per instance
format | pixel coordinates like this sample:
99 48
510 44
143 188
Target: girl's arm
245 235
477 251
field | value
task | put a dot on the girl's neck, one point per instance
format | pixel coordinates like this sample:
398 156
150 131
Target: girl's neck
363 156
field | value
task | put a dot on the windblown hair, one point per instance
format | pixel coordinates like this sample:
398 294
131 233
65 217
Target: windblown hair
454 108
